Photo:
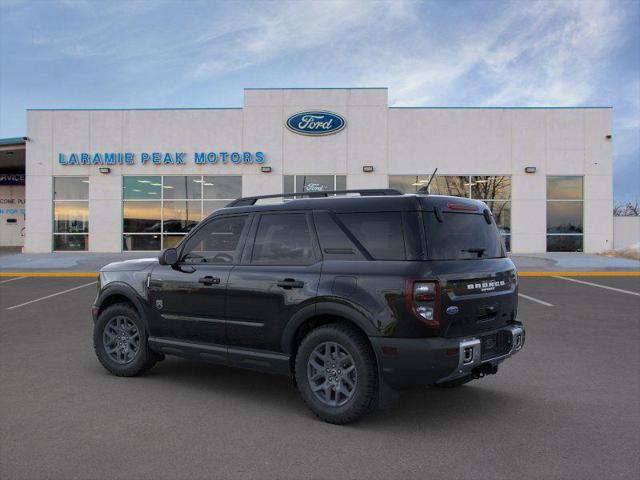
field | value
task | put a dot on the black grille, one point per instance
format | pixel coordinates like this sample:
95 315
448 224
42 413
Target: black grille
495 344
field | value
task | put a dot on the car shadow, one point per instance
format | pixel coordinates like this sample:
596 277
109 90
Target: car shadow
435 407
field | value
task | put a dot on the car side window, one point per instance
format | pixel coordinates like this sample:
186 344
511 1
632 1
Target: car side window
283 239
217 242
334 242
381 234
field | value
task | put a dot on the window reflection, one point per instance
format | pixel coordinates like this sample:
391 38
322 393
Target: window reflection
70 213
142 187
171 206
313 183
457 186
71 217
140 242
71 188
185 187
180 215
226 187
502 215
141 217
69 242
564 243
564 217
491 187
408 183
564 188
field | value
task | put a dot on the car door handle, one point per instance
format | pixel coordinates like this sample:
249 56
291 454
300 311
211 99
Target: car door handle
209 280
288 283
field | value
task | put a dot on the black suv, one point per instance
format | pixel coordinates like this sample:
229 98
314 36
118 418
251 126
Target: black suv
354 296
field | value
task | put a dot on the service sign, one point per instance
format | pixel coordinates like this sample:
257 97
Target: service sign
11 178
316 123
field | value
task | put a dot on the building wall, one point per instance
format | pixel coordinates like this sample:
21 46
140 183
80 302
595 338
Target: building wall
626 232
12 213
395 141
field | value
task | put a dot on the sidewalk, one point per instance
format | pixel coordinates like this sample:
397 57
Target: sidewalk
92 262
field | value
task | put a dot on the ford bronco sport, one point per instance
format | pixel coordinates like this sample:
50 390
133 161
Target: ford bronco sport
355 295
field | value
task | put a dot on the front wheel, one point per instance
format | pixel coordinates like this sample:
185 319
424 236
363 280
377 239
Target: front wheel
120 341
336 373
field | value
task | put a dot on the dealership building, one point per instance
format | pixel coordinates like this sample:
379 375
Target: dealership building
109 180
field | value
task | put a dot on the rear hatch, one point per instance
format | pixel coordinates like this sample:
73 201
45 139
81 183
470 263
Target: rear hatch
478 283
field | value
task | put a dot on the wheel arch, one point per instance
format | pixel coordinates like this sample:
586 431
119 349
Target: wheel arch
120 293
316 315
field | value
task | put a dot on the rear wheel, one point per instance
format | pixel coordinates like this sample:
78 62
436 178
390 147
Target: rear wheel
120 341
336 373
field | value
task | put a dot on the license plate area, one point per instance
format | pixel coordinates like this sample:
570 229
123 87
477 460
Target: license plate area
495 344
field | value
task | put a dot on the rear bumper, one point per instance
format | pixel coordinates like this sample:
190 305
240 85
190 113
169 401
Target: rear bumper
406 362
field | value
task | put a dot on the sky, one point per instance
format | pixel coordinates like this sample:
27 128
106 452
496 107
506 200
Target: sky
138 53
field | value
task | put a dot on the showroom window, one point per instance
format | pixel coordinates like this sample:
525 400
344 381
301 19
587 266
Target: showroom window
70 213
313 183
494 190
158 211
564 214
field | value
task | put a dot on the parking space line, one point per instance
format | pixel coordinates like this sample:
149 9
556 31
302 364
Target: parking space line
50 296
541 302
628 292
11 280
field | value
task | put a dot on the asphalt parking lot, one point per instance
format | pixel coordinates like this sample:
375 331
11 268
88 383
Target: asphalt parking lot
565 407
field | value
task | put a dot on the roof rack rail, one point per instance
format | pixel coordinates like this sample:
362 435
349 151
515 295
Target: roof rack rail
245 201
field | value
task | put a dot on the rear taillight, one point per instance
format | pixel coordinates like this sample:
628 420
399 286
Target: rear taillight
423 301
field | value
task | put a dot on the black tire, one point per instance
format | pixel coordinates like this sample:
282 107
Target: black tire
454 383
142 360
363 394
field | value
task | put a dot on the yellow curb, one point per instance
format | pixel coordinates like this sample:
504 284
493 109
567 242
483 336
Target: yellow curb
49 274
579 274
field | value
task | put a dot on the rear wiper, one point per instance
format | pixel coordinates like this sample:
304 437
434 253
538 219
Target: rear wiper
479 251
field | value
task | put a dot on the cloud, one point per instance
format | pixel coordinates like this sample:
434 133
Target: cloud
272 31
537 53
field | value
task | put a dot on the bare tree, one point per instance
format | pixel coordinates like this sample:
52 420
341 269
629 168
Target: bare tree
628 209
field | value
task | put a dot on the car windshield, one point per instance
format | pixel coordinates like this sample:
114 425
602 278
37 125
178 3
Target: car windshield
462 236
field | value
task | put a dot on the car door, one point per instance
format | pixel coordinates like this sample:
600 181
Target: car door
188 300
278 276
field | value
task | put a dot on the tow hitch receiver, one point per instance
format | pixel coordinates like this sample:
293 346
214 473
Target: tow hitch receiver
482 370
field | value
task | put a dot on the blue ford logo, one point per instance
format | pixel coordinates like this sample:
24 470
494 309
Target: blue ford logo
452 310
316 123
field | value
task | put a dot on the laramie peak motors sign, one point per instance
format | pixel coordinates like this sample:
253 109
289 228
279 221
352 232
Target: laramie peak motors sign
161 158
315 123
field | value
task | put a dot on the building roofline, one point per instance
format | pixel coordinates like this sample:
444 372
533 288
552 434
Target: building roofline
12 141
242 108
506 108
126 109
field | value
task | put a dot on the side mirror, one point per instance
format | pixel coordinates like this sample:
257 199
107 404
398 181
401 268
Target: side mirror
168 257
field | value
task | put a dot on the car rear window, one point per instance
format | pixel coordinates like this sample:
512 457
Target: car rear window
462 236
379 233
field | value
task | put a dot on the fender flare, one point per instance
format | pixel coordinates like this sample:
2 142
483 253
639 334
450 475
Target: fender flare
121 288
326 307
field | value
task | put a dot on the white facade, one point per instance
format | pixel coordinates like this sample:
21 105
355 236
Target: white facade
626 232
395 141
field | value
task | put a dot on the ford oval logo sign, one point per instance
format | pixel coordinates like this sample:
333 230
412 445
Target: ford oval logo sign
316 123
